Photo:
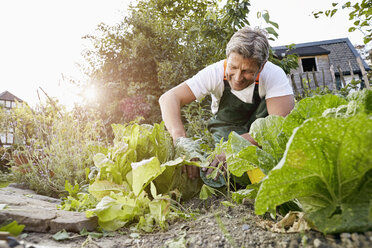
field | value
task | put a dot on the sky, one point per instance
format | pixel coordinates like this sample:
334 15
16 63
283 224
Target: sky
41 40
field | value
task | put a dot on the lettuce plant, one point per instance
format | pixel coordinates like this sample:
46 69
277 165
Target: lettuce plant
134 176
327 167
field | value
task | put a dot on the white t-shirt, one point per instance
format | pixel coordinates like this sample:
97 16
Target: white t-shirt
273 83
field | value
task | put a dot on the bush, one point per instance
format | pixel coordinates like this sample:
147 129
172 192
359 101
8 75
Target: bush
57 145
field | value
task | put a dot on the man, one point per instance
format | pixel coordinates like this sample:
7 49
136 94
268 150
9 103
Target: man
243 87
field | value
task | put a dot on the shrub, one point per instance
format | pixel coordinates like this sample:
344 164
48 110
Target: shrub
57 145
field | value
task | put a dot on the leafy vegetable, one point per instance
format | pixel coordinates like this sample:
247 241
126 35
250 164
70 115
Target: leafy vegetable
76 200
13 228
308 108
134 174
328 168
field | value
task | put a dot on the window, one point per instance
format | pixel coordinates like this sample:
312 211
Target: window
308 64
7 104
2 102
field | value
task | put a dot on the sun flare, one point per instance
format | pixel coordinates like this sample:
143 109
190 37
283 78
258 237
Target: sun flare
90 94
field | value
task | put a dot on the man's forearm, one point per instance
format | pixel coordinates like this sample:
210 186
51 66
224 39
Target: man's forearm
171 115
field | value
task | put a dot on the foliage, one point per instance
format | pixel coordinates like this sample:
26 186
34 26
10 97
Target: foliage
158 45
316 158
131 179
360 13
54 146
77 200
13 228
327 168
197 115
155 48
328 137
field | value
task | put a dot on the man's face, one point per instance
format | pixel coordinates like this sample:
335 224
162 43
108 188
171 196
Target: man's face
241 72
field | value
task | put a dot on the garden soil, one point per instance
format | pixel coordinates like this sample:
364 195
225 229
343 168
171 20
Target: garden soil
214 225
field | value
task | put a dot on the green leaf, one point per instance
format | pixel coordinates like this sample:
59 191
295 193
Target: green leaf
266 132
244 160
95 235
228 204
206 192
348 217
272 31
308 108
250 192
61 235
159 209
13 228
144 172
351 29
328 165
266 16
100 189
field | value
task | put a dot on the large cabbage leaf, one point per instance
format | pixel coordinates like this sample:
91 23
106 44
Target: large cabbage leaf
308 108
328 167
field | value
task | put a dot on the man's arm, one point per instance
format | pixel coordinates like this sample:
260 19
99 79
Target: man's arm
281 105
170 105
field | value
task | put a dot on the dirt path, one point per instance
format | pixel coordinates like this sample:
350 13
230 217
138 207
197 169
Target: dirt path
214 226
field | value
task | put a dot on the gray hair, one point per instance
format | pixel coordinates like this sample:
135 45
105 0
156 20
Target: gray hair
250 43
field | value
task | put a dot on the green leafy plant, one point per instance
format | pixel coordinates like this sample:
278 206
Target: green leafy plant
131 180
76 200
55 145
327 168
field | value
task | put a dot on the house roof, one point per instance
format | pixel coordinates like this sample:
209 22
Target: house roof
303 51
340 52
7 96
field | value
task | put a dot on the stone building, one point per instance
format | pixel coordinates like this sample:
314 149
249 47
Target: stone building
8 101
331 63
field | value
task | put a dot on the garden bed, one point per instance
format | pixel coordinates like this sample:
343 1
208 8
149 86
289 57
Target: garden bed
214 226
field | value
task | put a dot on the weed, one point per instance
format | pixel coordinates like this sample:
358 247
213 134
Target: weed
55 145
225 232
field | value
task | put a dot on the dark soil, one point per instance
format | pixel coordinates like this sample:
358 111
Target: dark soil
214 225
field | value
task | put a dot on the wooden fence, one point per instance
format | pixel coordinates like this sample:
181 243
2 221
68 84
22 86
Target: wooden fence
325 79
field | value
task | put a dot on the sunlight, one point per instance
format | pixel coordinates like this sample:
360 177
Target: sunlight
90 94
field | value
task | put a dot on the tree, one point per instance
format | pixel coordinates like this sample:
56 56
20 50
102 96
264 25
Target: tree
160 44
360 13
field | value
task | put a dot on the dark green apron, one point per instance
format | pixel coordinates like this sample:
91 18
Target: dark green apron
235 115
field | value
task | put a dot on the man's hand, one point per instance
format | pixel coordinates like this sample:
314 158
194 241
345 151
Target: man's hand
192 171
218 163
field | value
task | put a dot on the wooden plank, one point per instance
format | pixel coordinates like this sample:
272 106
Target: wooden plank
333 78
315 80
364 73
294 84
343 82
323 78
351 71
308 80
302 83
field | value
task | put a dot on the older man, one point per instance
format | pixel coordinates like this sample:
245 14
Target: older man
243 87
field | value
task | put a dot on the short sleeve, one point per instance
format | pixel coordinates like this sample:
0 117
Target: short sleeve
274 82
207 81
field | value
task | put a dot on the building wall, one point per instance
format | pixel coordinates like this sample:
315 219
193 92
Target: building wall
7 138
322 75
